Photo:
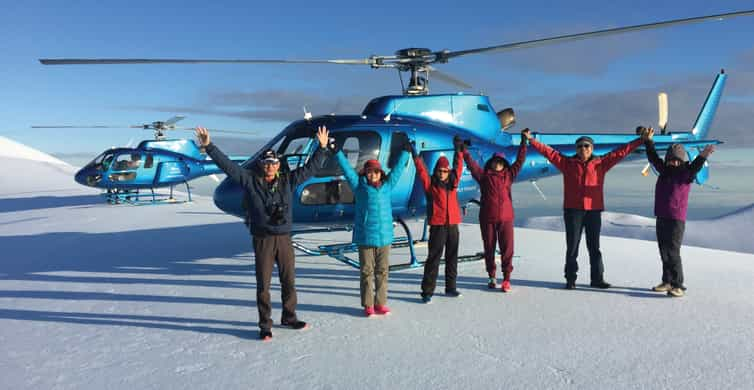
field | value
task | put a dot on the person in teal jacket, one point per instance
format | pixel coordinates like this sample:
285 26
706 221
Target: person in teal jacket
373 226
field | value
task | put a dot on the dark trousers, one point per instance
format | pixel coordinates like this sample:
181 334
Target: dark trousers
441 237
669 239
268 251
576 222
500 233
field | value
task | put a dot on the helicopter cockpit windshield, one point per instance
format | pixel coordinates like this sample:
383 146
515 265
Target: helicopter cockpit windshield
294 149
102 162
296 146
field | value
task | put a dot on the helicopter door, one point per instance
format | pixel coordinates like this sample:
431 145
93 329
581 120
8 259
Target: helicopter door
327 196
125 167
418 201
402 190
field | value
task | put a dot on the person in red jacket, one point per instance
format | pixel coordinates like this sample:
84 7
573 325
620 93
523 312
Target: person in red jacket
496 212
443 215
583 200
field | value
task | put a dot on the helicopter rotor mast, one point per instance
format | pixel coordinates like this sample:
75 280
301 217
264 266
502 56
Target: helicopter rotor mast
416 61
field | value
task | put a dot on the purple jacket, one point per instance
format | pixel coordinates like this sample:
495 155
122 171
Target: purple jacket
673 185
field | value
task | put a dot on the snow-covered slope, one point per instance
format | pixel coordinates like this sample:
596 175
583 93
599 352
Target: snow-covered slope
15 150
121 297
729 232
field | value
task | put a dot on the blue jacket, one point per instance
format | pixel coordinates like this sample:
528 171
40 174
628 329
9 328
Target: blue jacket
373 219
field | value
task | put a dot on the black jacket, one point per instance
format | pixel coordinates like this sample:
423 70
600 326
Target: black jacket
269 204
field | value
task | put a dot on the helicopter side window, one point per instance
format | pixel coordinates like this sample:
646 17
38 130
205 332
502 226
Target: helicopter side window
127 161
332 192
122 176
358 147
396 148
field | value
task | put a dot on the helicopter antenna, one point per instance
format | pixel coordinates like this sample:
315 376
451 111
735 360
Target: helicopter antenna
536 187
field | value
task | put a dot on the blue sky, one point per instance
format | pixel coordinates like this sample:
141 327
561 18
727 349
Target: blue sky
602 84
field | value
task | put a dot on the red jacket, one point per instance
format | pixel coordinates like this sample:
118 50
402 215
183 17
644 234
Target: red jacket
583 180
495 186
444 209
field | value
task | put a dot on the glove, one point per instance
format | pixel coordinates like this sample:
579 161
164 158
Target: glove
458 144
524 138
410 146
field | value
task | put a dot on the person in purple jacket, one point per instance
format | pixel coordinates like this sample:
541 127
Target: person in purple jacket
675 176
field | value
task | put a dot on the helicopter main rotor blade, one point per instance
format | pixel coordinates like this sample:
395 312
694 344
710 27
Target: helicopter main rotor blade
174 120
79 127
448 78
123 61
241 132
443 55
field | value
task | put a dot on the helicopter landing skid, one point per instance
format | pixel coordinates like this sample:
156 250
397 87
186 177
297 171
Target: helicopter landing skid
137 198
339 251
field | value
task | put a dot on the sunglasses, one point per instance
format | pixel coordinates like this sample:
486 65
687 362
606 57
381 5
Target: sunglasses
443 170
585 146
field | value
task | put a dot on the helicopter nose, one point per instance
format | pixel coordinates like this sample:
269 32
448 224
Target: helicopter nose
228 198
88 177
80 177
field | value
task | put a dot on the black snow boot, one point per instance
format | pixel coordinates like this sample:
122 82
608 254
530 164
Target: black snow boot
601 284
295 324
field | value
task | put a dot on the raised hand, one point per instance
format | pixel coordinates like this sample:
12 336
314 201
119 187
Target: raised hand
323 135
647 134
202 135
410 147
709 149
458 144
526 134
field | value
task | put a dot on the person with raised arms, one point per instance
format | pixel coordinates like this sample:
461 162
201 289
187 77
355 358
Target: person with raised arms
443 217
675 176
268 192
583 200
496 211
373 225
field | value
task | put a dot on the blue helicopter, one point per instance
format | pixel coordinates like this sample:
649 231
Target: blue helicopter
325 202
122 173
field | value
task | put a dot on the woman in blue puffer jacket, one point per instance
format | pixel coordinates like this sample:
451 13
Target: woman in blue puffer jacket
373 226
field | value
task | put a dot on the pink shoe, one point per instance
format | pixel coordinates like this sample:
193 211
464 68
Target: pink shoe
380 309
506 287
369 311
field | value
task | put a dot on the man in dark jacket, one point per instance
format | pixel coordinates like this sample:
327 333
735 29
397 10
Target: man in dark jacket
675 176
269 208
583 200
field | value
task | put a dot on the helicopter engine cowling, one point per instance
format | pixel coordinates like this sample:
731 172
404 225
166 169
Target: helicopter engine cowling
473 113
